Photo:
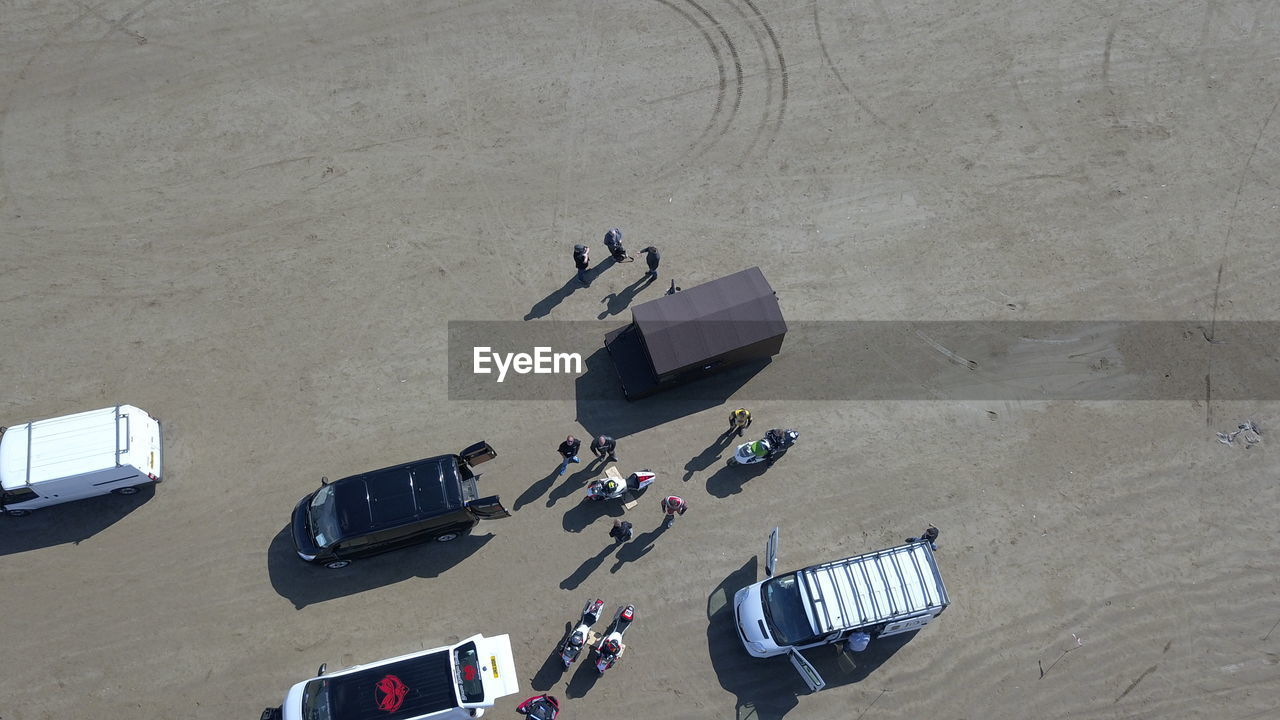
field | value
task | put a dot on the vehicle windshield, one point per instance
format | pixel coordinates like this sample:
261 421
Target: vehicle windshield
315 700
784 611
324 517
467 663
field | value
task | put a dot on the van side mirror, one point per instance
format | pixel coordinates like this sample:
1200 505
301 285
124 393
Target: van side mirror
323 668
324 480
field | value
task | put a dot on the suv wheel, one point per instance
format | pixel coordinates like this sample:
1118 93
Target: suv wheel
17 513
337 564
447 537
125 491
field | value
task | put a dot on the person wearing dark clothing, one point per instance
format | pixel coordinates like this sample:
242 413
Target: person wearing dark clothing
613 241
604 446
582 260
568 451
621 531
652 259
930 536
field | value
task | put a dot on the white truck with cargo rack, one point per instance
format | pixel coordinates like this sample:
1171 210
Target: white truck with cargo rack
865 597
47 462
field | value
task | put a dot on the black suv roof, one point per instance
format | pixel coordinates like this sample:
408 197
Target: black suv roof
393 496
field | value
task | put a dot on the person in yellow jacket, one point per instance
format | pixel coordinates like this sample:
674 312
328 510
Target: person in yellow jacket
739 421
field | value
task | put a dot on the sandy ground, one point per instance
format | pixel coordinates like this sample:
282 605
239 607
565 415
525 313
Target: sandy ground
254 219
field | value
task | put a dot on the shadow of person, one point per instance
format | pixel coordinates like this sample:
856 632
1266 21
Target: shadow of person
637 548
587 567
535 491
729 479
597 464
575 482
543 307
707 457
616 302
602 408
580 516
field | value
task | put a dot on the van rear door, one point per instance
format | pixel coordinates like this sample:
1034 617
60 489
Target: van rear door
497 667
481 452
771 554
807 672
488 508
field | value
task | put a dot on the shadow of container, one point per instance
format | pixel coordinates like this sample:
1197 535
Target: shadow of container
72 522
602 408
581 516
303 584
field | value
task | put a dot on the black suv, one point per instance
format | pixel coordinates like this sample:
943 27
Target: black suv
368 514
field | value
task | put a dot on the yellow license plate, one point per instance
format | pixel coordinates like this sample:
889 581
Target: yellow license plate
493 663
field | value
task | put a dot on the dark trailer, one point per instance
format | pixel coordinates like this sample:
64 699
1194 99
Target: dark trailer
693 333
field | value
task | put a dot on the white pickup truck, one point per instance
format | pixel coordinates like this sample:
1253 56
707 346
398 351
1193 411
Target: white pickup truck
874 595
444 683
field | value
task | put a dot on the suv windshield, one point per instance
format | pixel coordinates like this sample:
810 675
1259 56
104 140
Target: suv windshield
315 700
324 517
784 611
470 686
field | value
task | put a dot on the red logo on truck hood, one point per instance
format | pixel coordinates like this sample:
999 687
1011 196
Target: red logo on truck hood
390 693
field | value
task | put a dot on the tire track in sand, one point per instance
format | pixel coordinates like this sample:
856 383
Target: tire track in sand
782 72
710 136
721 71
723 40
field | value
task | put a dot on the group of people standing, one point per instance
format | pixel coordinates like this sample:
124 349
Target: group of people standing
613 242
604 446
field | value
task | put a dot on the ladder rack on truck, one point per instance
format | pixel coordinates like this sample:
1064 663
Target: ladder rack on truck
875 587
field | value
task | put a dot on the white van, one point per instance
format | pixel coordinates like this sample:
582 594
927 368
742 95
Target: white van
455 681
874 595
47 462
